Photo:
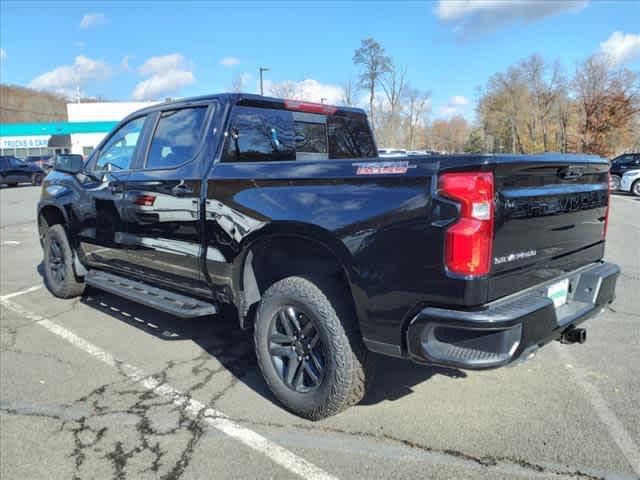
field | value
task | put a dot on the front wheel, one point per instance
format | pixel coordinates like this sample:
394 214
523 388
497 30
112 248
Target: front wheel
59 274
309 348
635 188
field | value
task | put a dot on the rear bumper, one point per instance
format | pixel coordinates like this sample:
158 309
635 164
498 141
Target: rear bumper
510 328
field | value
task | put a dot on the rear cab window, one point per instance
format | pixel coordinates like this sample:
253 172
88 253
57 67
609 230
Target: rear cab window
267 135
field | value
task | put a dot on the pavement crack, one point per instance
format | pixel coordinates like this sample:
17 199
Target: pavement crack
487 461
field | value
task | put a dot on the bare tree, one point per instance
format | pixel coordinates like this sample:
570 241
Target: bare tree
393 84
544 91
286 89
348 93
371 57
417 103
237 84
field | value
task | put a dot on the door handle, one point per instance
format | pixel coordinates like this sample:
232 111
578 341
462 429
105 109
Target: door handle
182 190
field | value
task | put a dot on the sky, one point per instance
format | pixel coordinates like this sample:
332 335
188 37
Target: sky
156 49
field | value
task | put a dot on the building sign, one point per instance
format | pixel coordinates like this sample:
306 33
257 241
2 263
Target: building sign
24 142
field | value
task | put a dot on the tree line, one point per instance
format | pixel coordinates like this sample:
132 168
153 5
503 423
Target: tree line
533 106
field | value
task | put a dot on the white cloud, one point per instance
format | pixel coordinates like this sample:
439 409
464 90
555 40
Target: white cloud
91 19
474 17
67 79
168 73
3 54
308 89
124 63
162 64
622 48
229 61
456 105
448 111
458 101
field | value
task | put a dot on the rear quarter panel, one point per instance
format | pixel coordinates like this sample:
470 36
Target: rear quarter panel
376 224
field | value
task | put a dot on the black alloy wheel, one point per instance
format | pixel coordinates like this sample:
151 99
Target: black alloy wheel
56 261
59 274
296 350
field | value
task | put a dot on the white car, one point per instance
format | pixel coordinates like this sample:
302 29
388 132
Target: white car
631 182
391 152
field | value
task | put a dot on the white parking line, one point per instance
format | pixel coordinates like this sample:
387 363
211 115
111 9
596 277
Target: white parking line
614 425
215 418
21 292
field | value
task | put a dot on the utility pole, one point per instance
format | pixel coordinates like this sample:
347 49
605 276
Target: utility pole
262 69
323 99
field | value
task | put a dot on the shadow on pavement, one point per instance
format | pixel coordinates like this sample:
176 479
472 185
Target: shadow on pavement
221 337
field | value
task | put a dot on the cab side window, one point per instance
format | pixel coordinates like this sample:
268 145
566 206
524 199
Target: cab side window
177 137
118 152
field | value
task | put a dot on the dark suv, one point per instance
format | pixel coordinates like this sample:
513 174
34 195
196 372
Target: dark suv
620 165
14 171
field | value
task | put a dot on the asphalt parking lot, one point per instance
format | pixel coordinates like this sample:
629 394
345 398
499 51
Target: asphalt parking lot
102 388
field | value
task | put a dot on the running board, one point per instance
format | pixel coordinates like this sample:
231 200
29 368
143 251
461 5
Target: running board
154 297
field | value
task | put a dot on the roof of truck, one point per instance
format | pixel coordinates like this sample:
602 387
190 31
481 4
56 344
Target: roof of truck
235 98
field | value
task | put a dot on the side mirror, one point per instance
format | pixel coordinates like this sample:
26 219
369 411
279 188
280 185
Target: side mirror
69 164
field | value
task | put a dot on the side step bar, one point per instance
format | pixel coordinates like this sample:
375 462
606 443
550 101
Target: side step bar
154 297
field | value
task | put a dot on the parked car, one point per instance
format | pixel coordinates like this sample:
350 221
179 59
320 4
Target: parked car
621 164
631 182
14 171
43 161
329 253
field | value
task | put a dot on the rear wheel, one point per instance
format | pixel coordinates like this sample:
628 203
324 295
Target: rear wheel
309 348
615 182
59 274
635 188
36 178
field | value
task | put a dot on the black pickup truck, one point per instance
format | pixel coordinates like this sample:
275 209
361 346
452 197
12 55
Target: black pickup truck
283 210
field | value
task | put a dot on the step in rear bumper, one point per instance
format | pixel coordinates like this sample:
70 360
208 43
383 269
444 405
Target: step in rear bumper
500 332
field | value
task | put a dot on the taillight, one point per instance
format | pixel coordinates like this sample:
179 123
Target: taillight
469 242
144 200
606 213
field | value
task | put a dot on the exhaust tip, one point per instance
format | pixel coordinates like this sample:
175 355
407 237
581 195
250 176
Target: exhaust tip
574 335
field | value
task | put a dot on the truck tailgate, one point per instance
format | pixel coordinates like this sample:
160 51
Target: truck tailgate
550 217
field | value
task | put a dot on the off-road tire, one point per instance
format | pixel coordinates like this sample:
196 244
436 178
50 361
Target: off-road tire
70 286
349 366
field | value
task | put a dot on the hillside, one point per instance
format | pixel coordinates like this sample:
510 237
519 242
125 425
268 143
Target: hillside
24 105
